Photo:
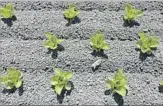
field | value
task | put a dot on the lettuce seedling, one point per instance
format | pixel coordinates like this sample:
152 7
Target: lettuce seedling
60 81
98 42
147 43
131 13
119 83
52 41
12 79
161 83
7 11
71 12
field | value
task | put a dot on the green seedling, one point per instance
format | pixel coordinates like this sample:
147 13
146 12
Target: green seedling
131 13
52 41
119 83
98 42
147 43
12 79
7 11
71 12
161 83
60 80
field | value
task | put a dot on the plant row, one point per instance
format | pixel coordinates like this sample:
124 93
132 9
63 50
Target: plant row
146 43
61 81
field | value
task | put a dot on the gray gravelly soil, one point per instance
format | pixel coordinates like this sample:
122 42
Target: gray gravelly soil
21 47
77 56
89 88
32 58
110 22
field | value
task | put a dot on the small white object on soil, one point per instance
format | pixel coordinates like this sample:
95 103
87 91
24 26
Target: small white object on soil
96 64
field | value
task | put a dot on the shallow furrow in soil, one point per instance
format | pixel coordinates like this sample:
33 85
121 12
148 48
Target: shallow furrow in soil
77 55
82 5
89 88
32 25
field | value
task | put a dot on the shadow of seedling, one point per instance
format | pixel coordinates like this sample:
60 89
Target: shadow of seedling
10 91
108 92
21 90
160 88
130 24
117 98
99 54
64 91
9 21
54 53
143 56
72 21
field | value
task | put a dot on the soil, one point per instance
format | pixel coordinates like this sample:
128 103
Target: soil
21 46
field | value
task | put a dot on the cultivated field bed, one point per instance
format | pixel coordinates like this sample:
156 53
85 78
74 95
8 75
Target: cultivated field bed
21 46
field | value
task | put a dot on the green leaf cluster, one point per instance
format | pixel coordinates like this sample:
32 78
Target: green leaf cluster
131 13
7 11
146 43
98 42
12 79
161 83
119 83
71 12
60 81
52 41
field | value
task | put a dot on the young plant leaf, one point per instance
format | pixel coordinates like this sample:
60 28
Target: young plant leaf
12 79
68 86
52 41
58 89
119 83
54 80
131 13
18 84
58 71
68 75
147 43
7 11
161 83
61 80
71 12
98 42
121 91
110 83
9 86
